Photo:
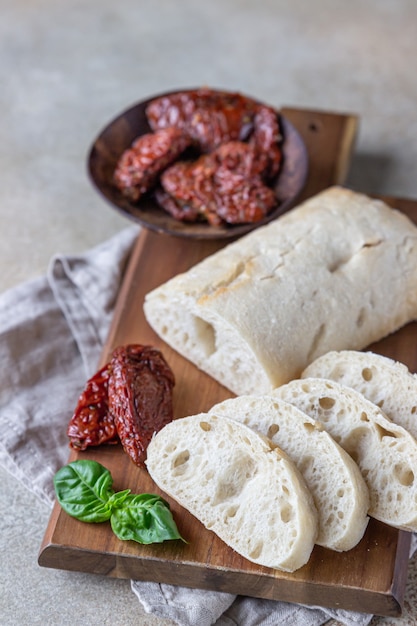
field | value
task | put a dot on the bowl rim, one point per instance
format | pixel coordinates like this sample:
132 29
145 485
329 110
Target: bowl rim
119 133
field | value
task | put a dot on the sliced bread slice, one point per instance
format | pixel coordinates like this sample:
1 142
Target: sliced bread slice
239 485
335 482
385 382
385 452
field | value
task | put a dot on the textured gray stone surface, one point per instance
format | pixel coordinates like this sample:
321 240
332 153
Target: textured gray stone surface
66 68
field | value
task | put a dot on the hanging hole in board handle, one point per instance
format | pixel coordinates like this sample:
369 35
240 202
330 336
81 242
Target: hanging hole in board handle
314 126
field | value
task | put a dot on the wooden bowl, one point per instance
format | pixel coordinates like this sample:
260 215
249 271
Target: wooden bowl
119 134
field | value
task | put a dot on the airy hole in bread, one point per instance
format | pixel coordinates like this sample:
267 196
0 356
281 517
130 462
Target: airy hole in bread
329 521
367 374
356 441
309 427
205 426
404 475
326 402
383 432
232 510
272 430
256 552
236 475
286 513
203 334
179 462
384 482
305 463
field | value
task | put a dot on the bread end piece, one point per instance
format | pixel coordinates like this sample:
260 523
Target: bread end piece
239 485
337 272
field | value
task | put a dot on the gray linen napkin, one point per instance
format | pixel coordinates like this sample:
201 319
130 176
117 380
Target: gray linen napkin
52 331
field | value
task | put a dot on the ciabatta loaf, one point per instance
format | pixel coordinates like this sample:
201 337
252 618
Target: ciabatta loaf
335 482
385 452
338 272
238 485
385 382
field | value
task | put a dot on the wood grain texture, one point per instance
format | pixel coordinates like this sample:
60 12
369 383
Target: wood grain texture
369 578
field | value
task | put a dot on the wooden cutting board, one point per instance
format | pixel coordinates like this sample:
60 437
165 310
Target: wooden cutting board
369 578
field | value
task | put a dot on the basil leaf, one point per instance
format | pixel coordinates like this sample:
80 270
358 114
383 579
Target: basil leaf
145 518
117 499
84 490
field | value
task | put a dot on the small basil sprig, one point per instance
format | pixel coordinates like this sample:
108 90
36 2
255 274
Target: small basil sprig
84 490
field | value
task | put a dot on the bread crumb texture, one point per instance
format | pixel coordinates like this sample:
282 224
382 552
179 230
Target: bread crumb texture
337 272
385 452
239 485
340 495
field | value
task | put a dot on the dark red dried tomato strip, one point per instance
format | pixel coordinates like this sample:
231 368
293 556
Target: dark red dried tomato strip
191 190
223 186
243 202
140 397
242 159
91 424
267 140
242 196
178 210
209 117
139 167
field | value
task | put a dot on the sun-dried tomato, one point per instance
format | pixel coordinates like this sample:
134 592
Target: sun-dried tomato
91 424
223 186
189 190
209 117
140 396
178 210
139 167
267 139
236 154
